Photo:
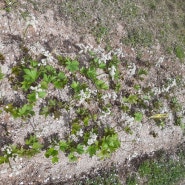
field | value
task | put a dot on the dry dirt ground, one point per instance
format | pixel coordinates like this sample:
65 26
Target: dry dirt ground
42 25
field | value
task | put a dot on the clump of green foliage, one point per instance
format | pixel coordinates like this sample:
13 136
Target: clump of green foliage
160 170
31 147
87 133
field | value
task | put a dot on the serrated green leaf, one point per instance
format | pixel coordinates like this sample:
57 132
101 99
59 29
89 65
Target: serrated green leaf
92 150
75 85
72 157
80 149
25 85
44 85
59 84
55 159
1 74
86 121
132 99
32 97
72 65
26 110
51 152
44 111
91 73
75 127
30 75
101 85
37 146
102 65
63 146
42 94
33 63
3 159
138 116
61 76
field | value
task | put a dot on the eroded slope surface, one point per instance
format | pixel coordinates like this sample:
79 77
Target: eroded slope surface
77 82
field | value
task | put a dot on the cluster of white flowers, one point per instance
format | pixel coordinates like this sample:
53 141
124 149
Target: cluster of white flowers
93 92
105 113
104 57
132 69
158 90
84 49
112 96
49 56
6 149
127 119
100 52
112 71
119 53
92 138
80 133
37 49
32 22
84 95
74 137
43 62
37 89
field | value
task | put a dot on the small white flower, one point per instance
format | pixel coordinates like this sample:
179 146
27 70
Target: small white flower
132 69
114 95
105 57
74 138
112 71
80 133
44 62
105 113
118 52
32 88
84 95
48 55
8 150
37 96
92 138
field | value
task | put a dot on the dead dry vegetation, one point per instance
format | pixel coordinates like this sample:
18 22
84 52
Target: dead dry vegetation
89 85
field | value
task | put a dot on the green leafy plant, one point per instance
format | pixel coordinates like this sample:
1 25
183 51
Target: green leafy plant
109 144
90 73
1 74
24 112
100 84
33 79
52 152
9 4
72 66
179 52
132 99
138 116
142 72
128 130
30 77
31 147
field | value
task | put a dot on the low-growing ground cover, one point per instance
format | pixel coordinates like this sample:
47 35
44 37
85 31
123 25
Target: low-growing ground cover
83 81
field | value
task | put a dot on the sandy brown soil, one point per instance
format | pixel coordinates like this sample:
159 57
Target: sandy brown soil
45 29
